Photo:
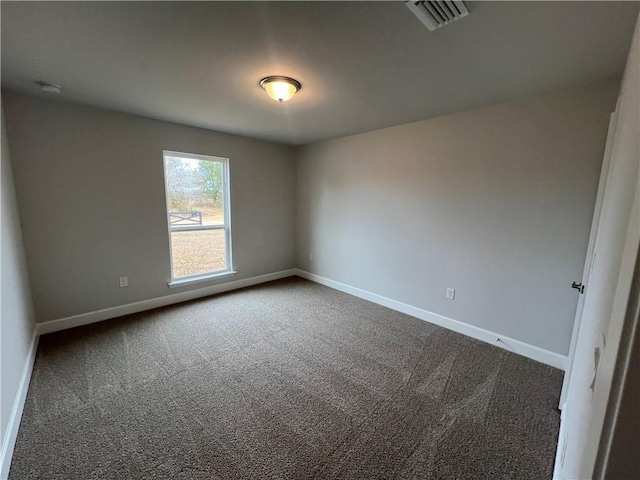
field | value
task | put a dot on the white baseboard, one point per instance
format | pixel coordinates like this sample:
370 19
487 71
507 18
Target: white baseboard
107 313
530 351
11 433
535 353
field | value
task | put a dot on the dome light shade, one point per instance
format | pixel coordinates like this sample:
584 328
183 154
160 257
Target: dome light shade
280 88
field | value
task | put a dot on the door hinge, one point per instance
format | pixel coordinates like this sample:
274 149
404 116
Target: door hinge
578 286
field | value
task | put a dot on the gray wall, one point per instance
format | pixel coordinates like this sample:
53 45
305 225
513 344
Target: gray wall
494 202
16 310
91 194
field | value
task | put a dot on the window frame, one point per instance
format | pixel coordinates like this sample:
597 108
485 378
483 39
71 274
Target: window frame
225 226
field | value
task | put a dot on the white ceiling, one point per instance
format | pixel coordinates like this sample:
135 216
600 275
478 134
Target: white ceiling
363 65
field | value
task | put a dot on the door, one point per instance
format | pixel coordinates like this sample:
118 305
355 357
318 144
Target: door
588 264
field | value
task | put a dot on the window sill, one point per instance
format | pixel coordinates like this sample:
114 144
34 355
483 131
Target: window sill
182 282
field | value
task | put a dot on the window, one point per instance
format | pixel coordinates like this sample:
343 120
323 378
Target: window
197 192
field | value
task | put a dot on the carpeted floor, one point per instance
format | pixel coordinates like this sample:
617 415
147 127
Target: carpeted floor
287 380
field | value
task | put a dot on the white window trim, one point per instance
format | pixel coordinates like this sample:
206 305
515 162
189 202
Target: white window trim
229 271
182 281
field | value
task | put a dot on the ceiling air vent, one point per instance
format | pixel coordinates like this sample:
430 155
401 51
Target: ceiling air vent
439 13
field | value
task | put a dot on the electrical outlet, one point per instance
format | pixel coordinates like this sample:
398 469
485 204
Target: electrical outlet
310 257
124 282
451 293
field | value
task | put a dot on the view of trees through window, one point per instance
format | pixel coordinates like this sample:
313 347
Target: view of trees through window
195 185
196 215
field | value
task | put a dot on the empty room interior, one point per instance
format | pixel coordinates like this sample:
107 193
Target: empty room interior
320 240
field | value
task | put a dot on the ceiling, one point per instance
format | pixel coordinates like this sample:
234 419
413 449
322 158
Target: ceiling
363 65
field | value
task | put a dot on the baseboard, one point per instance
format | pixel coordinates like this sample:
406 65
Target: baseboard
530 351
11 433
113 312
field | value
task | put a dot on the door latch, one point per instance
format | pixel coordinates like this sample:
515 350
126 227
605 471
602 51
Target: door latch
578 286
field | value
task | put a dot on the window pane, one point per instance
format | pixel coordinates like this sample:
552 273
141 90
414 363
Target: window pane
197 252
194 191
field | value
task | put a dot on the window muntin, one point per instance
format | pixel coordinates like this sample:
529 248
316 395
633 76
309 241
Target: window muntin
198 219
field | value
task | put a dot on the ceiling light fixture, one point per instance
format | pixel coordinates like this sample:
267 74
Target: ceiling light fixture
280 88
48 87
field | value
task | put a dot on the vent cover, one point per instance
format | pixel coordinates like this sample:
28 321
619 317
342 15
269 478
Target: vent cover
436 14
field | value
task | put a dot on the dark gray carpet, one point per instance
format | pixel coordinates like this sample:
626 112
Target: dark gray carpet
287 380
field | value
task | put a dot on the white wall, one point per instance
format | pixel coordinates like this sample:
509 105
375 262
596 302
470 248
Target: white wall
494 202
91 193
607 296
16 310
